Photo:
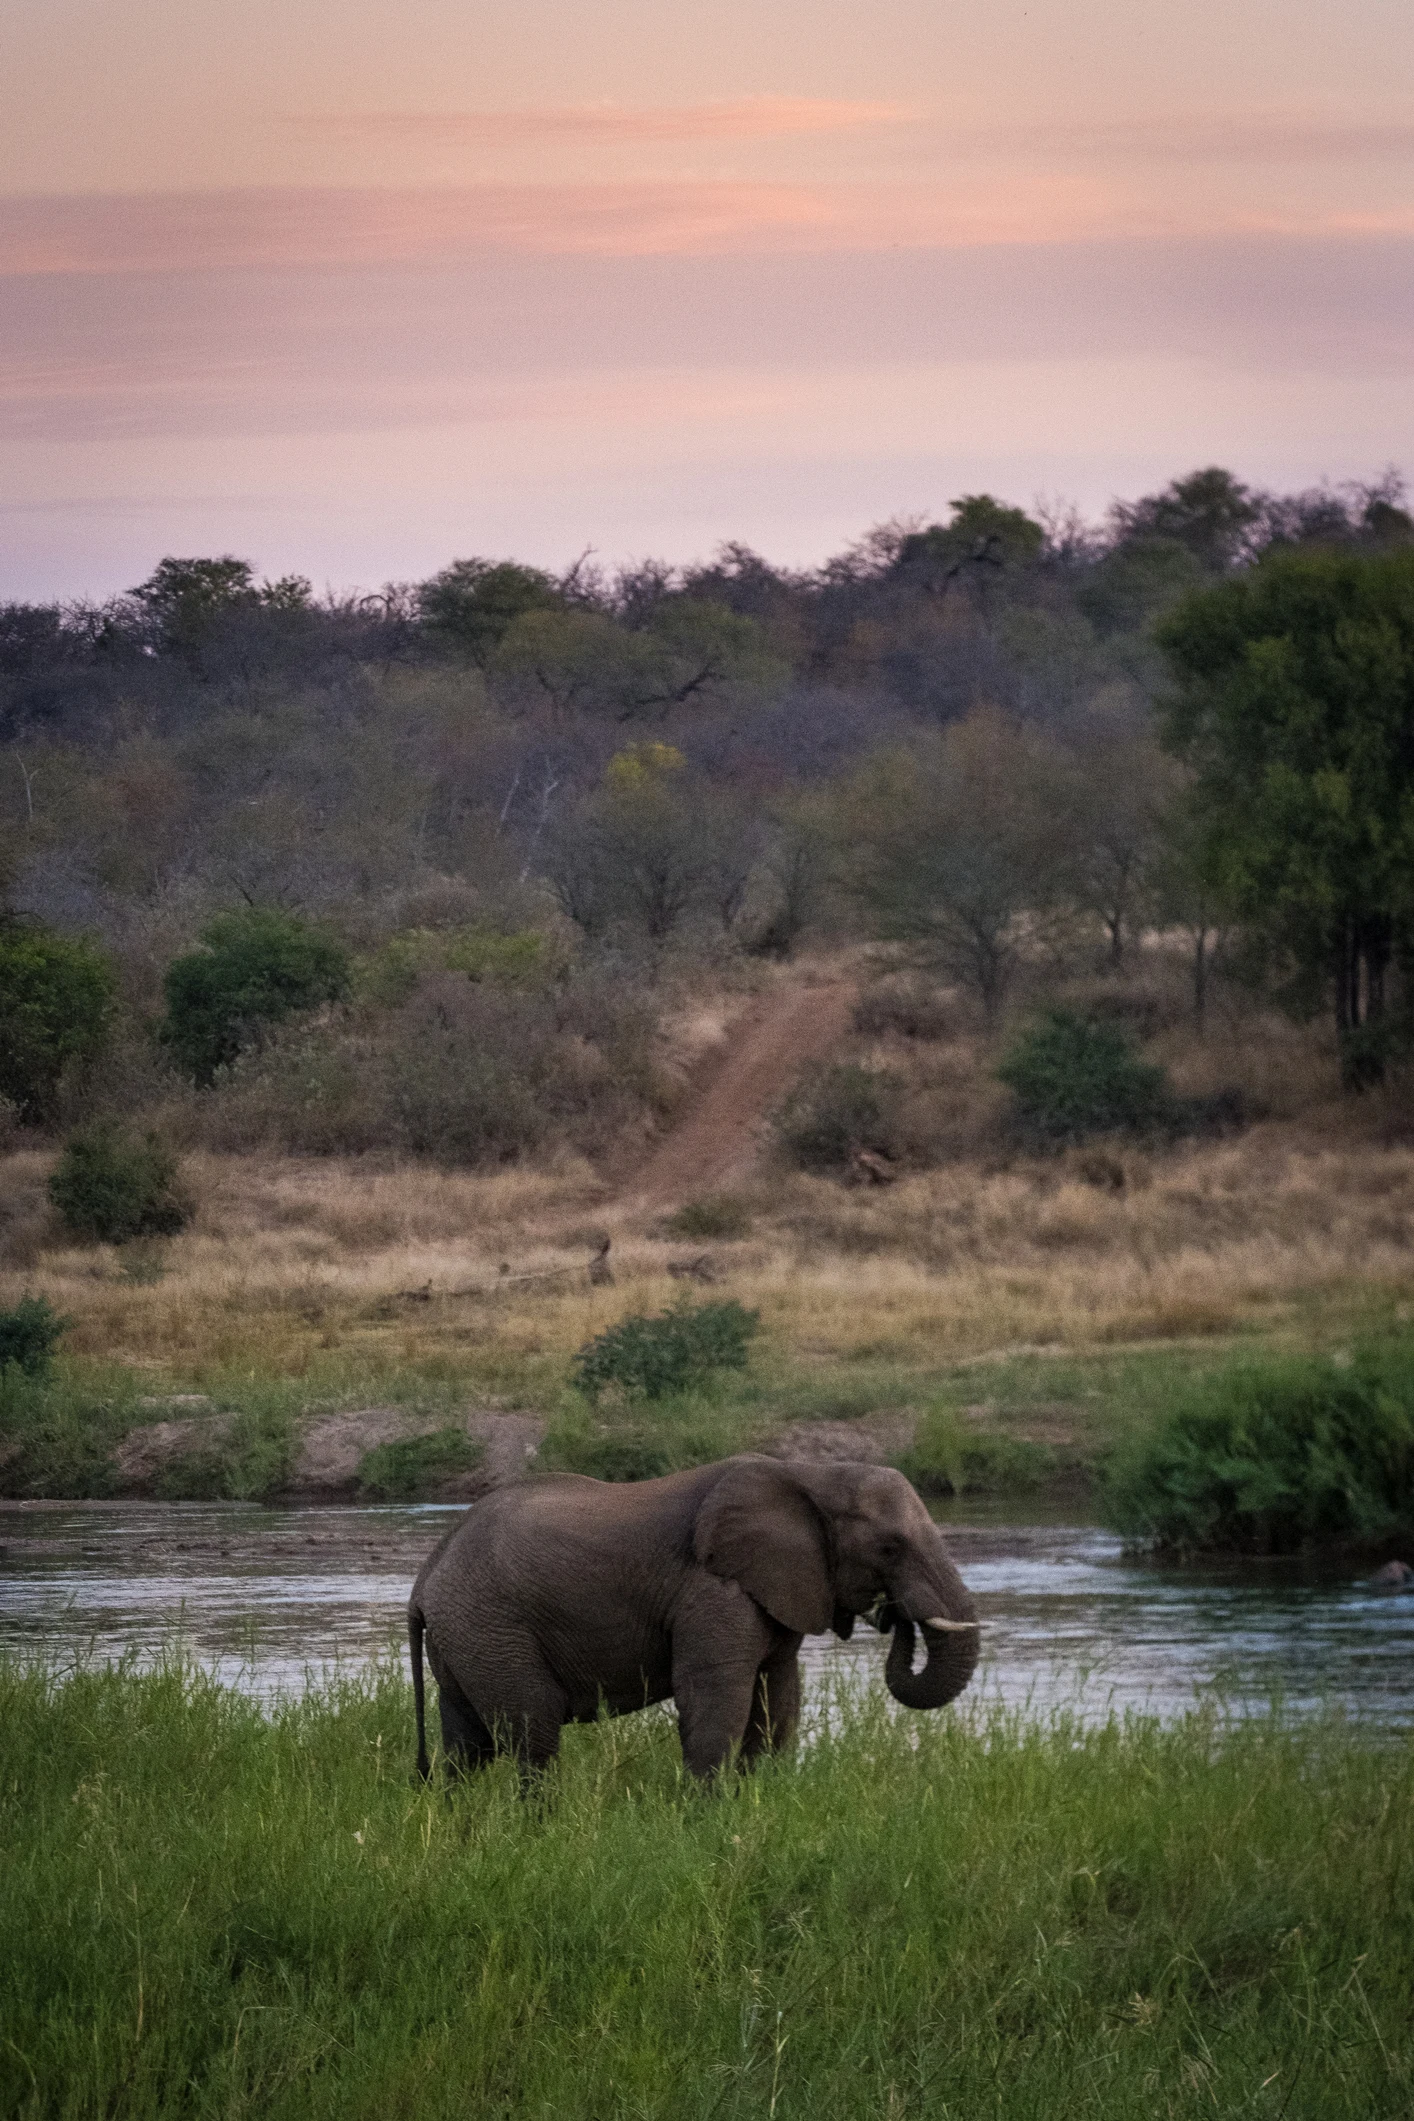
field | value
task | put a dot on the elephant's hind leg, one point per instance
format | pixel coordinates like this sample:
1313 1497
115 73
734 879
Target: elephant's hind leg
775 1707
466 1742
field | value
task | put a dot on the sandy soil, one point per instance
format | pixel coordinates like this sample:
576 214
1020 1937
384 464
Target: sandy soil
716 1145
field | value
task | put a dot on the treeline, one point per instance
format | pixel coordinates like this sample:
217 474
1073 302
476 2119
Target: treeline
508 799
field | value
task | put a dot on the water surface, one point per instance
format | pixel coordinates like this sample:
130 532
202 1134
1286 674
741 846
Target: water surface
267 1597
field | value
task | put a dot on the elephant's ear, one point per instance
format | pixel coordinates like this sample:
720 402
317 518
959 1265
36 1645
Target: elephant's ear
758 1528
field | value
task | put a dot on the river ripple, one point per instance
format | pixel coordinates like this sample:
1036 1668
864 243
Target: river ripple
267 1598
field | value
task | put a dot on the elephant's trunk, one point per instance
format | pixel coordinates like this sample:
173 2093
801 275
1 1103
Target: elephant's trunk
948 1618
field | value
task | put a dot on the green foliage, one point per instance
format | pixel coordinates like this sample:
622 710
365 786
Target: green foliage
719 1215
1295 708
1277 1458
525 960
964 846
416 1466
245 1456
947 1457
258 967
29 1335
649 1357
618 1454
983 534
58 1430
1073 1077
56 1004
215 1908
112 1186
472 603
836 1111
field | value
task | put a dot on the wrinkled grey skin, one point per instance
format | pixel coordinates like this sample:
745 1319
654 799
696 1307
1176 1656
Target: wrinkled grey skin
550 1599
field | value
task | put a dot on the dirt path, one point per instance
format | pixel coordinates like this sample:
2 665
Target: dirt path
719 1140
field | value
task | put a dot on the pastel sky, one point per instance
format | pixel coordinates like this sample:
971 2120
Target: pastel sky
352 290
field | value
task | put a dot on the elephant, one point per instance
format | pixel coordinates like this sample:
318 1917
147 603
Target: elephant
555 1599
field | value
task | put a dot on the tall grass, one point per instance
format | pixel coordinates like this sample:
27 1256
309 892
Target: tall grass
205 1912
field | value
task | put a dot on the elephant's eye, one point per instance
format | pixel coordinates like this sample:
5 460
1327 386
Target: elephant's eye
890 1547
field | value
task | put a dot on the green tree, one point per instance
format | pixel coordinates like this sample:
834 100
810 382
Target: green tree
258 967
472 604
187 600
1295 710
56 1005
1210 513
984 539
585 662
965 847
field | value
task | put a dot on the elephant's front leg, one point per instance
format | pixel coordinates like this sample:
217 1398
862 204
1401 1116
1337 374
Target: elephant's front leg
720 1641
775 1708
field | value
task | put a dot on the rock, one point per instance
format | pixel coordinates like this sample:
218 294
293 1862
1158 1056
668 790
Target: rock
1394 1576
146 1452
333 1446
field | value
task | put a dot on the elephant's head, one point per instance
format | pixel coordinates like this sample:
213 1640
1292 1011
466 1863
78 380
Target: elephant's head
815 1545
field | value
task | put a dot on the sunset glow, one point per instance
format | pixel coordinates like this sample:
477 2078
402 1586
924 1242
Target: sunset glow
352 297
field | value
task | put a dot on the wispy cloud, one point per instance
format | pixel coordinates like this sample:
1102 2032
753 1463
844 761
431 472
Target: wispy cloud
236 230
1254 136
747 118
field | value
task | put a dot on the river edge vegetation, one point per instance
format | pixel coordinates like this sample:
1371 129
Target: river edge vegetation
210 1909
354 953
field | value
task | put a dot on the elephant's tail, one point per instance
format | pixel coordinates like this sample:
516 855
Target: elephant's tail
416 1628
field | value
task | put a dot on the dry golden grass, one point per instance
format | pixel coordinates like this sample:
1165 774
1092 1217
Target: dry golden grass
288 1260
1301 1224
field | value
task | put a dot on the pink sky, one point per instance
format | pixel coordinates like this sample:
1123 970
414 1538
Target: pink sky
352 294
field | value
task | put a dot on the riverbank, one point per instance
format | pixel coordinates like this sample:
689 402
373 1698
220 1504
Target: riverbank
212 1911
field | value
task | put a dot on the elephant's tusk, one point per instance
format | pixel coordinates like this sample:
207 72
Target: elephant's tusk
951 1627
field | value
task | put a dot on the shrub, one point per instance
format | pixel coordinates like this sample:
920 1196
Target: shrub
718 1215
836 1111
56 1003
468 1074
1073 1077
407 1468
258 967
29 1335
524 960
1276 1459
947 1458
114 1186
650 1357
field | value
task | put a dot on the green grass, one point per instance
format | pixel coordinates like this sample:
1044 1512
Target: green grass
205 1912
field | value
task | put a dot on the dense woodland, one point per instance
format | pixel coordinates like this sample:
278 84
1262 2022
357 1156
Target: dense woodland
457 837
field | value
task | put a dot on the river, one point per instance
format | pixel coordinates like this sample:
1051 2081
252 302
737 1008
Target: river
267 1598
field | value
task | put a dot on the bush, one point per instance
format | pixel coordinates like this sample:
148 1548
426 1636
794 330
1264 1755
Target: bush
948 1458
650 1357
412 1465
114 1186
56 1003
837 1111
1277 1459
258 967
718 1215
29 1335
1073 1077
468 1074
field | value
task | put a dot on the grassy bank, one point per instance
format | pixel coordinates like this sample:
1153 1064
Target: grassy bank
204 1912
